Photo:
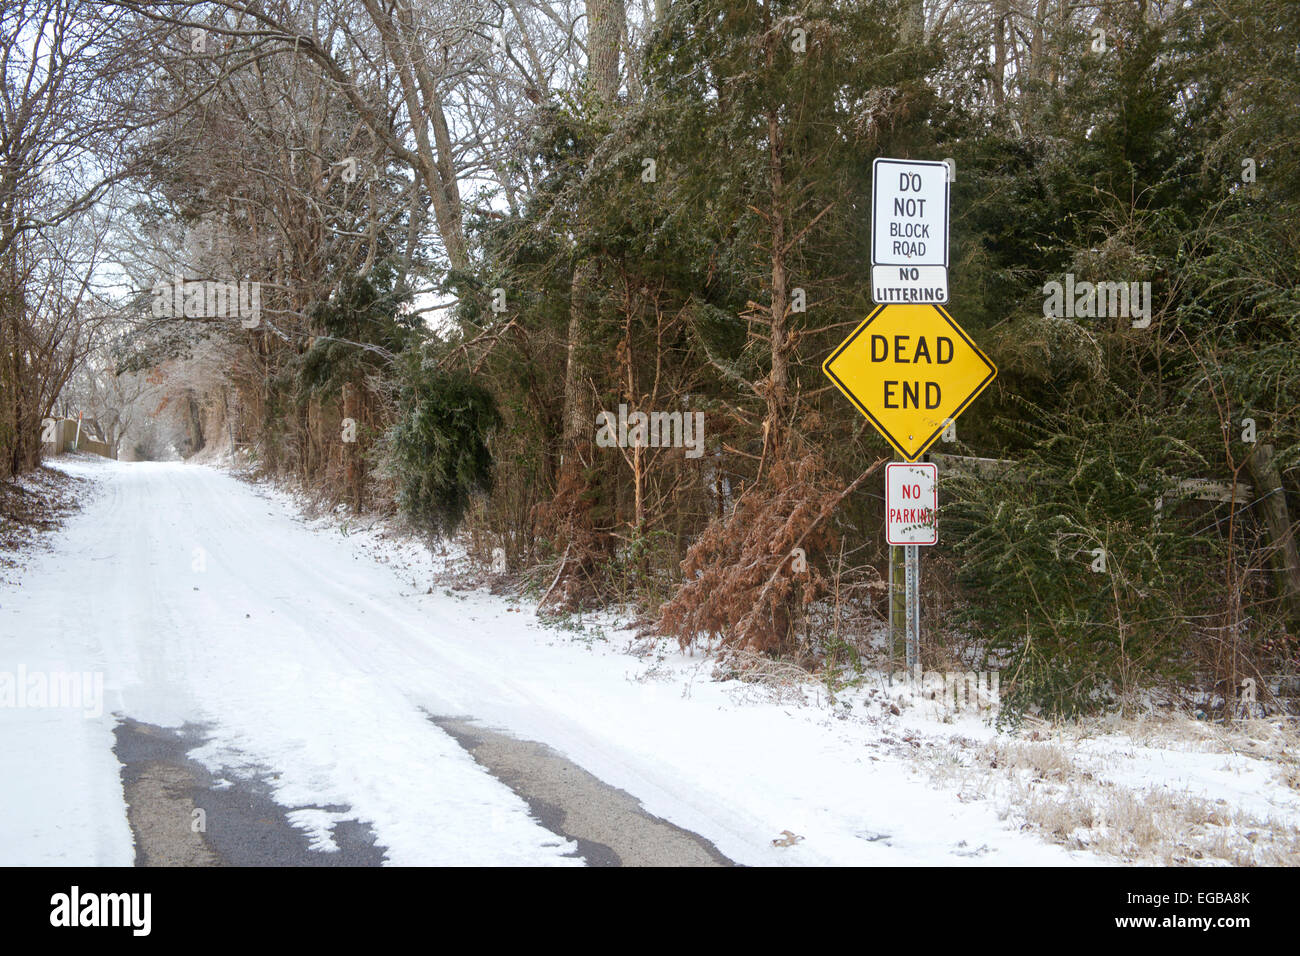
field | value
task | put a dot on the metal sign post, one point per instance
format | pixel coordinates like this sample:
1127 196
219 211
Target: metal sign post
893 608
912 557
897 605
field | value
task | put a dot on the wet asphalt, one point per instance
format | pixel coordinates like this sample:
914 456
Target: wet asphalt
181 815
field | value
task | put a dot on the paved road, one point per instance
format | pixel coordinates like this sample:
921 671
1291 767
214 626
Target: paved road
269 698
274 693
240 824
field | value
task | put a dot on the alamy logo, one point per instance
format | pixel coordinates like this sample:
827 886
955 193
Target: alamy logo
958 690
209 299
75 908
82 691
1101 300
656 430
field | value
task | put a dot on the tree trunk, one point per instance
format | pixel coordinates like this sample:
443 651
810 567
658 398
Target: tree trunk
913 20
604 32
193 422
778 383
1284 555
603 19
579 419
352 450
1000 17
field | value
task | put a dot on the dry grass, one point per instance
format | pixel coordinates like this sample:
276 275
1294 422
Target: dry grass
780 681
1275 740
1044 761
1160 827
757 668
1265 738
1038 784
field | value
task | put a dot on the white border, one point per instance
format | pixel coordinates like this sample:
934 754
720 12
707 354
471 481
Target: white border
935 508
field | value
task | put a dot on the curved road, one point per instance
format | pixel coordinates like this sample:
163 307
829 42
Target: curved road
272 694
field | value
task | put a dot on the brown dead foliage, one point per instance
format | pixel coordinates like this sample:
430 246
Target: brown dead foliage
743 586
567 519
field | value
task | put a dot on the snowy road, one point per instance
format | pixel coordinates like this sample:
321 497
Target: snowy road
310 666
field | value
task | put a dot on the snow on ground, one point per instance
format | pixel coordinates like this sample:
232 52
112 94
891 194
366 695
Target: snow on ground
200 603
313 653
1177 771
60 797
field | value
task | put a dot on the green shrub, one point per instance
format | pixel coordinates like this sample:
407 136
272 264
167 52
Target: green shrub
440 445
1074 584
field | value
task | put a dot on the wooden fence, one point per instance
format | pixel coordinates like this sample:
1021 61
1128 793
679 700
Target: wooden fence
66 439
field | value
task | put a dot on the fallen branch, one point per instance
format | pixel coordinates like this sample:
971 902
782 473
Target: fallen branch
564 562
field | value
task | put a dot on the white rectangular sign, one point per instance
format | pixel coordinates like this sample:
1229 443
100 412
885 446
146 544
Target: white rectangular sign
909 231
920 284
911 503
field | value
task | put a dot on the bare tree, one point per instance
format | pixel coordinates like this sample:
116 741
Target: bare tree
67 113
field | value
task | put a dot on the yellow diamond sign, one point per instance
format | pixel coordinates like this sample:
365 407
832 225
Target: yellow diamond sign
910 369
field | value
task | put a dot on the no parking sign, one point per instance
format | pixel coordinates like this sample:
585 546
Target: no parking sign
911 503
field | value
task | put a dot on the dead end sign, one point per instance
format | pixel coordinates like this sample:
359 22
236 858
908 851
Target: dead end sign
911 503
911 370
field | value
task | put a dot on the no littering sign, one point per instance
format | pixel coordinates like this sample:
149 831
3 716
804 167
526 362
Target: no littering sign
909 231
